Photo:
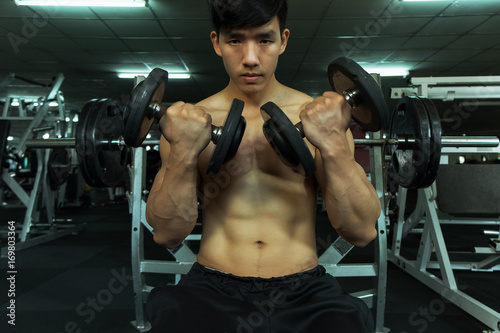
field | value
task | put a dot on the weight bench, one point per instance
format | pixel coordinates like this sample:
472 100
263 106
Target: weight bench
469 190
184 256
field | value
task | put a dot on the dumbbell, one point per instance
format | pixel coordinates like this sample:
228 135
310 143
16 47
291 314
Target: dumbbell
145 106
360 91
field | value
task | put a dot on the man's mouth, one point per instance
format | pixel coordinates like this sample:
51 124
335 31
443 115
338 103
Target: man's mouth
251 77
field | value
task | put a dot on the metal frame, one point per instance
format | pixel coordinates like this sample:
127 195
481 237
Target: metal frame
28 236
433 241
184 257
451 88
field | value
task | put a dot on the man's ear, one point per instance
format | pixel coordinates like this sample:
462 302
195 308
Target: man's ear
215 43
284 40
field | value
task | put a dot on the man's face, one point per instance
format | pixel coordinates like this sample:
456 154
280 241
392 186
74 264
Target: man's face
251 55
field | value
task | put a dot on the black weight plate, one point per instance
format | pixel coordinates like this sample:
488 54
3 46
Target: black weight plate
372 113
106 163
286 140
436 145
139 116
88 165
133 95
81 138
410 119
230 139
58 167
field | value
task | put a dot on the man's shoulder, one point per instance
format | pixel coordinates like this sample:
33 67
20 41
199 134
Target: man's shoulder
293 99
215 102
296 96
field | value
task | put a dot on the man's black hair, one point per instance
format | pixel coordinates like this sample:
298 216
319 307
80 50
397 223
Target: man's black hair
229 15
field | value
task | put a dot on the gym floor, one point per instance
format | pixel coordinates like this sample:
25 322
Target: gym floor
83 282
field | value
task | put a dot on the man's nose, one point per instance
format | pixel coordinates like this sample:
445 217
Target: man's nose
250 56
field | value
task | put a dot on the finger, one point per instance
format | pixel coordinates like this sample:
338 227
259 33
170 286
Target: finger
177 105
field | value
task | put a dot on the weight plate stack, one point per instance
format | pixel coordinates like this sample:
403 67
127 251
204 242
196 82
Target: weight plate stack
410 121
103 163
435 144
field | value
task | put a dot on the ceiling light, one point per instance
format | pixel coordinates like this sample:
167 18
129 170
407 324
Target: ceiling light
455 1
84 3
386 70
170 75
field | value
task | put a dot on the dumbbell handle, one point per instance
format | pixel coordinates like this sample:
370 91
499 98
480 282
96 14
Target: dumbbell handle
350 98
158 111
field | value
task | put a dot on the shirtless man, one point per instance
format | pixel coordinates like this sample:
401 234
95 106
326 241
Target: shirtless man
259 220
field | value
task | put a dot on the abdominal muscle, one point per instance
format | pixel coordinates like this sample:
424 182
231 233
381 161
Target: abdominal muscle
258 217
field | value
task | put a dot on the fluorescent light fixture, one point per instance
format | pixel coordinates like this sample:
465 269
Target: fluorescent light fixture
445 0
131 75
181 76
83 3
170 75
386 70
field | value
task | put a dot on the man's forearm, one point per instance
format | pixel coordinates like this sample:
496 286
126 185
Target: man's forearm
172 207
351 201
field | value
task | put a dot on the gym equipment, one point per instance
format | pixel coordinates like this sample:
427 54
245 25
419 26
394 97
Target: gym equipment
102 163
471 189
415 141
102 157
145 106
102 152
360 91
416 162
58 167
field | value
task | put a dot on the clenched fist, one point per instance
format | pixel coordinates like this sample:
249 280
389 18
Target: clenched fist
325 117
187 127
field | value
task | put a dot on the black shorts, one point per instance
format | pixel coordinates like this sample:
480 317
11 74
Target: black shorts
205 300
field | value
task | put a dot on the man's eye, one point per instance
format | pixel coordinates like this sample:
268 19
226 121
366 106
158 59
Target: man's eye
234 41
266 41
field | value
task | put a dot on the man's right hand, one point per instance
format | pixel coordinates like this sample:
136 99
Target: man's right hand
187 127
